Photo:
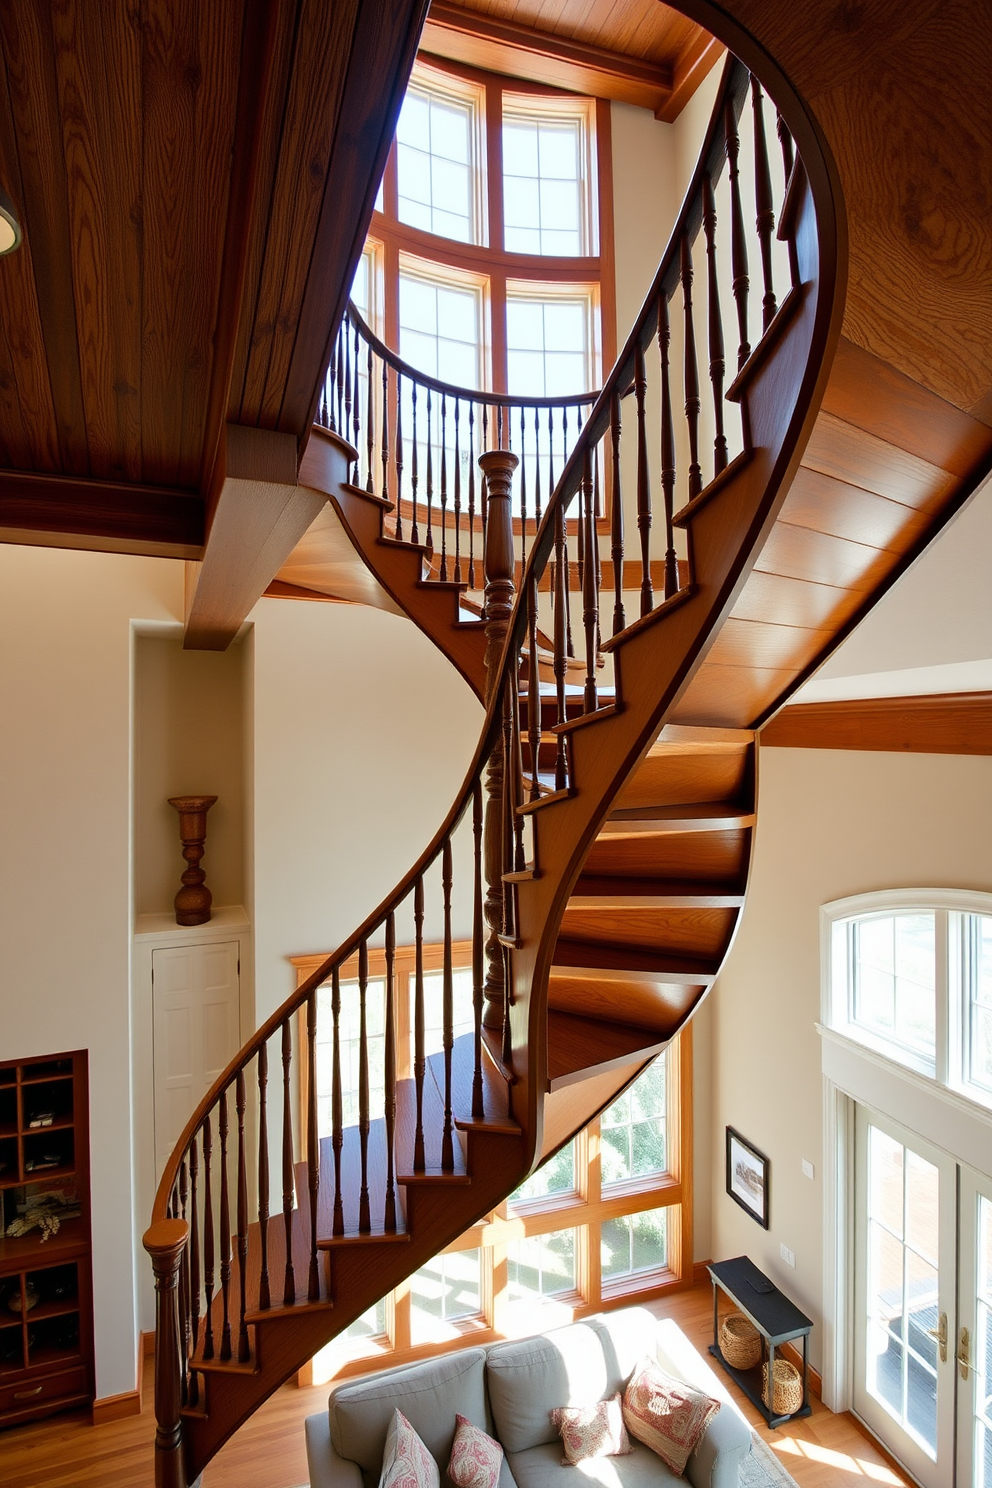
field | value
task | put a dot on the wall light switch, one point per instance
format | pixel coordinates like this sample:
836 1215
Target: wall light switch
788 1256
808 1170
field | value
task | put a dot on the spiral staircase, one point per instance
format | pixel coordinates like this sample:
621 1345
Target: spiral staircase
602 834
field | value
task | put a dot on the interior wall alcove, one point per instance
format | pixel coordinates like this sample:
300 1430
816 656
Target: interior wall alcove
189 709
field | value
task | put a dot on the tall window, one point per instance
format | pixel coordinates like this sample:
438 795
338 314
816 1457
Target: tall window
494 235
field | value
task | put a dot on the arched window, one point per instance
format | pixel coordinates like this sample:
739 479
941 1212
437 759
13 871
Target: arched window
909 974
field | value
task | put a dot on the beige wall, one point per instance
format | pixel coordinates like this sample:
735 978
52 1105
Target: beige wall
830 823
188 740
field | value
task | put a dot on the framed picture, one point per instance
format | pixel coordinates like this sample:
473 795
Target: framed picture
747 1176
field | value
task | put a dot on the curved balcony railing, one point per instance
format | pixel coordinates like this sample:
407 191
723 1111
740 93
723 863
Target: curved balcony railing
418 439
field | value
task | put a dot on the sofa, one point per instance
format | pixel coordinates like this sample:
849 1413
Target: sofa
509 1389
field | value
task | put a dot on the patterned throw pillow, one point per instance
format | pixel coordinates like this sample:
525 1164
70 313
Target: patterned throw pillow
475 1457
591 1430
665 1414
406 1462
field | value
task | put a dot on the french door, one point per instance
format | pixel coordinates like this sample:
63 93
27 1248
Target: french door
923 1305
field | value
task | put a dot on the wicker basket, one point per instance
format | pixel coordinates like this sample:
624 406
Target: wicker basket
740 1341
787 1396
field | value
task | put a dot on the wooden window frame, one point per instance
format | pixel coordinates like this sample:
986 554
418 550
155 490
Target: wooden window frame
584 1210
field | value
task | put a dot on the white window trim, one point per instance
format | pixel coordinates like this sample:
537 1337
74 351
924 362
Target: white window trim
855 1073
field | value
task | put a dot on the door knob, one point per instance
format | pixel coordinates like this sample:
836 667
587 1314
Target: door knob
964 1353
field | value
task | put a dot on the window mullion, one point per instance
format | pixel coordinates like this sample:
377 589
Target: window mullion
945 1017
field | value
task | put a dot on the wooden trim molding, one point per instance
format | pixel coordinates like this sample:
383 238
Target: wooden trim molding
941 723
116 1407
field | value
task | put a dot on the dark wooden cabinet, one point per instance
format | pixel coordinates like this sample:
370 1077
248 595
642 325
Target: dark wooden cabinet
46 1306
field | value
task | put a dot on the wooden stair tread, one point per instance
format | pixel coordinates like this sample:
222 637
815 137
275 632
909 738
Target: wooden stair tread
617 892
578 1045
376 1171
576 956
695 816
495 1090
433 1123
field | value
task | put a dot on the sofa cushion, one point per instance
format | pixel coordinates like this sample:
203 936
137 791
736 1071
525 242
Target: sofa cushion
592 1430
428 1394
527 1379
406 1462
541 1467
666 1415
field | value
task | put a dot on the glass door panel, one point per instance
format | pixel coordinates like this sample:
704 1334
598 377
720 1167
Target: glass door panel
974 1336
905 1232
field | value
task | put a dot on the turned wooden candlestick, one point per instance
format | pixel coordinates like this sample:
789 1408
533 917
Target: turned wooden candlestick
194 898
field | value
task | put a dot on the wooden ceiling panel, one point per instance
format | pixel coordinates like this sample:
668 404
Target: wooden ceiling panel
308 128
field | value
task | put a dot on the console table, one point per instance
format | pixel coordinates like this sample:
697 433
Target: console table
777 1320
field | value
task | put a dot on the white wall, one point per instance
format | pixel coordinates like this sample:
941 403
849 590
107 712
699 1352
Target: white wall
830 823
65 870
362 734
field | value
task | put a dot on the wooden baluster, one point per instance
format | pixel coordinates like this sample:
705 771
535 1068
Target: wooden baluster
458 499
667 448
471 495
568 584
398 530
389 1213
208 1243
523 497
336 423
509 823
561 646
717 363
498 467
444 486
414 460
597 562
244 1351
785 140
537 471
193 1391
384 439
184 1298
288 1191
643 483
264 1297
364 1216
765 220
551 454
356 417
337 1102
313 1146
690 370
225 1231
165 1243
448 1012
533 692
590 592
483 492
429 535
517 780
478 953
738 242
346 422
419 1057
370 424
616 516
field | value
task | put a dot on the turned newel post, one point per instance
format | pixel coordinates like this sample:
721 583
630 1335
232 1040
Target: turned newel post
497 466
165 1243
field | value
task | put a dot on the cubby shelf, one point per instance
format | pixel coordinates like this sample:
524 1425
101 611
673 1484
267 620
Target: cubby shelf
46 1350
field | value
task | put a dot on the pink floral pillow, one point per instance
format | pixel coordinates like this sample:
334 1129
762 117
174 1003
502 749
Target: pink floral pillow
665 1414
475 1457
406 1462
591 1430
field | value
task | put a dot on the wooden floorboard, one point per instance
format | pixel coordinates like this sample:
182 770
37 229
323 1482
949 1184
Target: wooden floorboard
823 1451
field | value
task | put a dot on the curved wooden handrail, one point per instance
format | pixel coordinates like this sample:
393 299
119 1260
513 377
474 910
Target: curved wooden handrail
537 790
451 389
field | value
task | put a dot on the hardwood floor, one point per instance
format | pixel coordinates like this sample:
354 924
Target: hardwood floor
823 1451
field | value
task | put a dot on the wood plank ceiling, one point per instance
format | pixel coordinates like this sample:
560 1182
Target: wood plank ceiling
194 183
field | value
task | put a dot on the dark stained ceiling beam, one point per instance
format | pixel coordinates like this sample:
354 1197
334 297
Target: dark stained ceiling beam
108 516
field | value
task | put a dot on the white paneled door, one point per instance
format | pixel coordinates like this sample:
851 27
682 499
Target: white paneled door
196 1028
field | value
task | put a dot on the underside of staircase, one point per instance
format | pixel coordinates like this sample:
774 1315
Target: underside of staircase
622 907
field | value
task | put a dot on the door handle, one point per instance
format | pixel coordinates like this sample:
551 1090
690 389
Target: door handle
28 1394
940 1333
964 1353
